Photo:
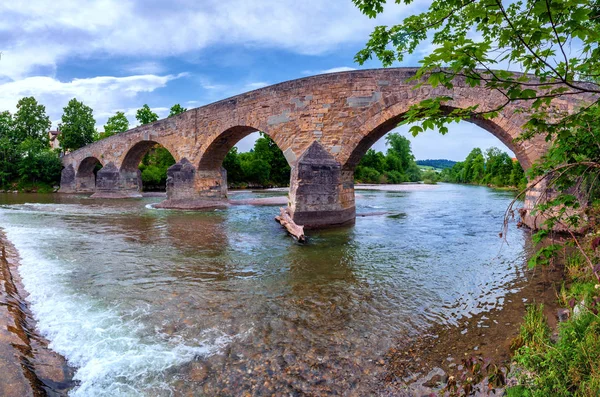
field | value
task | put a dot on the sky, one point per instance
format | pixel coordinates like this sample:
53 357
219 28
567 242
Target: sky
116 55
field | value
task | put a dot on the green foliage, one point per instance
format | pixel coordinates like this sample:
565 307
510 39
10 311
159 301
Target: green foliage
431 177
39 165
145 115
154 168
263 166
371 175
555 41
257 171
568 367
114 125
267 150
176 109
30 122
396 166
26 161
77 128
495 168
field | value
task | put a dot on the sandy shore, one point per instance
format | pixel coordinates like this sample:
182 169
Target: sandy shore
27 366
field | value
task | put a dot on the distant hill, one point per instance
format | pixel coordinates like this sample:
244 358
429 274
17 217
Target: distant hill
439 163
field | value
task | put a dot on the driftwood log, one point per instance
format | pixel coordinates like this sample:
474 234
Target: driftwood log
286 221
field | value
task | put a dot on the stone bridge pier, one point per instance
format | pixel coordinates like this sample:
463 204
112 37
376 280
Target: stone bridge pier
321 192
108 182
190 188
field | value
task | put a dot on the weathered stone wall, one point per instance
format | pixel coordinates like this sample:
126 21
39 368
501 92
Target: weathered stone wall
316 190
344 112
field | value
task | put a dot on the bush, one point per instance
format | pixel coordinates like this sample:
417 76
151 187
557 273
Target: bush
40 166
569 367
395 177
431 177
153 177
367 175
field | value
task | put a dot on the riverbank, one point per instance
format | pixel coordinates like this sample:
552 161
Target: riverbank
423 365
27 365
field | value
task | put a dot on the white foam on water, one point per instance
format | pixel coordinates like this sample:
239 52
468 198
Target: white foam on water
112 355
151 206
62 209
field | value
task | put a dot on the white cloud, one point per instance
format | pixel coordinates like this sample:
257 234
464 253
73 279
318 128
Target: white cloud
148 67
337 70
256 85
104 94
37 34
330 70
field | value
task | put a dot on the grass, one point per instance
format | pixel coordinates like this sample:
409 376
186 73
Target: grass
571 365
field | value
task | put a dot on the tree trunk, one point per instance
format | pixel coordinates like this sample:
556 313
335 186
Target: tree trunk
286 221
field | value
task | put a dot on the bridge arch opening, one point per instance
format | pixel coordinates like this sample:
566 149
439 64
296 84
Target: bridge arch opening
386 126
334 190
259 163
145 166
86 174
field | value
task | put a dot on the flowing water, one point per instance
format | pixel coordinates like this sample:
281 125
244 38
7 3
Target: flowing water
158 302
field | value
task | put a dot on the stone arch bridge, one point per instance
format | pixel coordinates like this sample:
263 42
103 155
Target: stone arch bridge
323 124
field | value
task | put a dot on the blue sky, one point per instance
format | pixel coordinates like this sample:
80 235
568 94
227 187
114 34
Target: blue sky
116 55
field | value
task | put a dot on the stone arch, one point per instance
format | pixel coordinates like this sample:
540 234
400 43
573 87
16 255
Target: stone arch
214 154
211 177
129 173
505 128
136 153
85 177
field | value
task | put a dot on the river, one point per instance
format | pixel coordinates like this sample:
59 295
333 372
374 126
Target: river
158 303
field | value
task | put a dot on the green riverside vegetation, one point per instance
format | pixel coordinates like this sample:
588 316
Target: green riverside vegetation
263 166
28 163
492 168
396 166
26 160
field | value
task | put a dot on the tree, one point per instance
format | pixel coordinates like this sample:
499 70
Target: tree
373 159
114 125
478 41
9 154
473 167
154 166
39 165
257 171
6 125
176 109
30 121
265 165
233 165
26 161
266 149
145 115
400 146
77 128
